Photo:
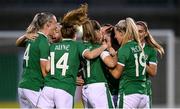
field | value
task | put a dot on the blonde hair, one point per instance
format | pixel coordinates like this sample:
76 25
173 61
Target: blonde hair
38 22
130 30
149 38
72 20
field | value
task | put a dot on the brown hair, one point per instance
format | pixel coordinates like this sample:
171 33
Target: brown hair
73 19
89 31
110 30
149 38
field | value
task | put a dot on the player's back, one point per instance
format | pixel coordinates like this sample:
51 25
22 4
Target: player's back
94 68
133 77
32 76
65 60
32 53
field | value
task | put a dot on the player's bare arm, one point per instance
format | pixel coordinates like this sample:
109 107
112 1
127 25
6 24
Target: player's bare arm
44 68
95 53
20 42
117 71
151 69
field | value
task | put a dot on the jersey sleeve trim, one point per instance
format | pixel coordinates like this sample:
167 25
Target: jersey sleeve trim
43 59
153 63
121 64
104 54
84 52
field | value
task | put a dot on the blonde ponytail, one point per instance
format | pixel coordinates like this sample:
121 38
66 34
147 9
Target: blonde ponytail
131 31
151 41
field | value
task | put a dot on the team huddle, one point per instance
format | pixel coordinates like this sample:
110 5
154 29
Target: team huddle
113 64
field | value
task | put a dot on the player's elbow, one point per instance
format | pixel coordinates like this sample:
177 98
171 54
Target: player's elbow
115 73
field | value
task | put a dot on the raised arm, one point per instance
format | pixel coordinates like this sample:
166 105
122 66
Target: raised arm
20 42
95 52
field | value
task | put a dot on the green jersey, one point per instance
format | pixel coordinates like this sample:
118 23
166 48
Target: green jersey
36 50
94 68
65 59
151 58
133 78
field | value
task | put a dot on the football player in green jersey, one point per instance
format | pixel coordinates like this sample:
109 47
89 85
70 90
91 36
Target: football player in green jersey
60 83
95 92
150 46
21 41
57 35
131 66
35 59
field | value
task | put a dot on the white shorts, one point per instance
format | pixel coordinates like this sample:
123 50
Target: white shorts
96 95
133 101
28 98
55 98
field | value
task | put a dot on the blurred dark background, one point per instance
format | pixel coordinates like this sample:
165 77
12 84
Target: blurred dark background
16 15
165 14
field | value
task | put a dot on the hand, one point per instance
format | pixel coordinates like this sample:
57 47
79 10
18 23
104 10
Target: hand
79 81
112 51
104 45
31 36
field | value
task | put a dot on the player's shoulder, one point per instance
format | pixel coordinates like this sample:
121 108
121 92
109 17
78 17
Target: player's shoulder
41 35
130 43
41 38
79 42
127 45
149 47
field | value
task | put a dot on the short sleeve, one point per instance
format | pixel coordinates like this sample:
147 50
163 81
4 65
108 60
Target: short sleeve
123 54
104 54
82 48
44 49
153 57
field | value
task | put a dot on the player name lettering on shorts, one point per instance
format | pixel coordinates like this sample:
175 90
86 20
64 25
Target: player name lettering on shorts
62 47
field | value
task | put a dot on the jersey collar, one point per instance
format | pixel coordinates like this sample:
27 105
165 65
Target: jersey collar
143 45
130 40
67 39
42 34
